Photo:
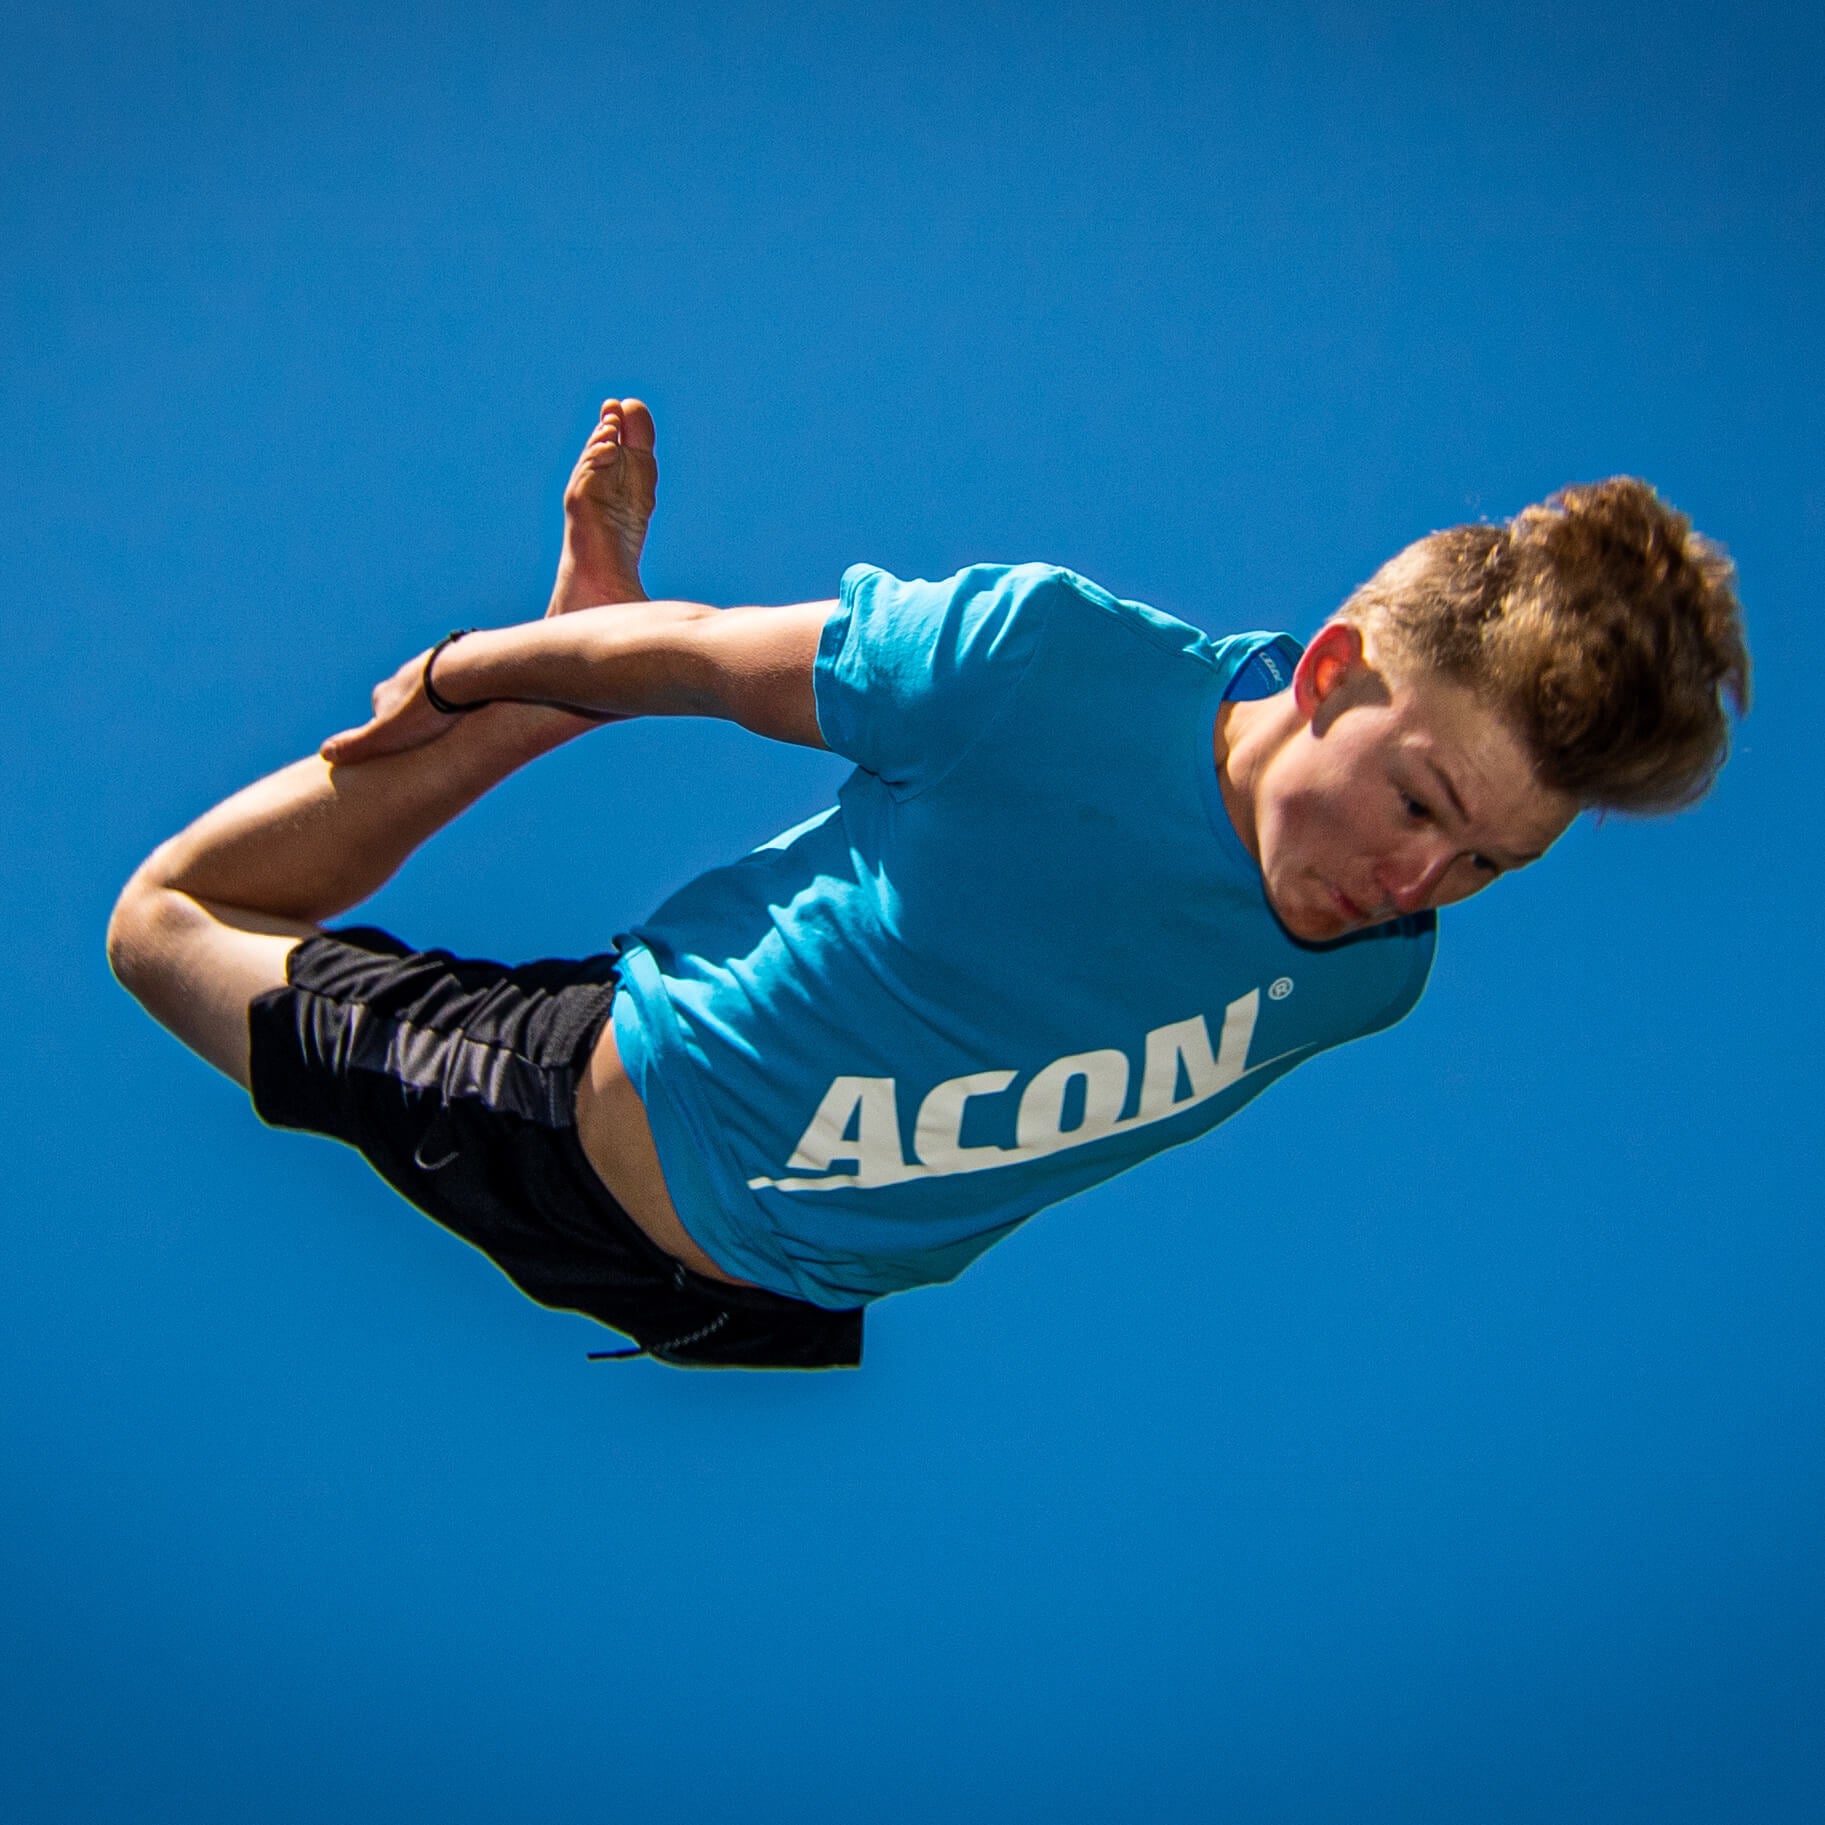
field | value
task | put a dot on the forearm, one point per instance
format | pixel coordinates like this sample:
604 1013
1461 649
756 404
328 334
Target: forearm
626 660
312 840
753 666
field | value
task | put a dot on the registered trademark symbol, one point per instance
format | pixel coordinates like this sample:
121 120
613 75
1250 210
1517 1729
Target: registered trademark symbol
1281 987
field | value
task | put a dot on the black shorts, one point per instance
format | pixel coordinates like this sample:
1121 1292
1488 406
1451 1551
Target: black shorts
457 1082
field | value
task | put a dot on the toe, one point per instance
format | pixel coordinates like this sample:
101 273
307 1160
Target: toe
636 424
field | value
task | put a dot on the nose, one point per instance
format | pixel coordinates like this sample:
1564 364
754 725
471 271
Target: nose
1409 879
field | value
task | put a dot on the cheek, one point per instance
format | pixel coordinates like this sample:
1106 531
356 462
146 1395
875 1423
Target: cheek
1329 806
1463 881
1316 817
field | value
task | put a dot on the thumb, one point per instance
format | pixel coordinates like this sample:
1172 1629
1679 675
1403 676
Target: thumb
350 745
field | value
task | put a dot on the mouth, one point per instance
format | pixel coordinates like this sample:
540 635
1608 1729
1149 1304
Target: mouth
1346 907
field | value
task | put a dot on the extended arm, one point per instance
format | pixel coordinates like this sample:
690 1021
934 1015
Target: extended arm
751 666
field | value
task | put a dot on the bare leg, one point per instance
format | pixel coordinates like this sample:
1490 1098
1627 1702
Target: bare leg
210 917
208 920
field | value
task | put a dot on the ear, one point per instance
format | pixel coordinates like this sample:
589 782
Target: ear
1335 652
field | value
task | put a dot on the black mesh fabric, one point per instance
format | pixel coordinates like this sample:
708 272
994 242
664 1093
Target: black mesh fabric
456 1080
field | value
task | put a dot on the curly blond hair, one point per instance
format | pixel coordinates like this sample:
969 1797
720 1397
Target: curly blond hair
1599 625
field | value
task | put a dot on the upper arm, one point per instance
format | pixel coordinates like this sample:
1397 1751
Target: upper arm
899 677
757 666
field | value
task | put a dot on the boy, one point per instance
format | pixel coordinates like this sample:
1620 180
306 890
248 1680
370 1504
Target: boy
1096 881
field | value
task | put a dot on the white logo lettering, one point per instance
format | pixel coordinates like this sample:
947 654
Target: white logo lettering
858 1120
1184 1049
868 1105
1042 1109
937 1139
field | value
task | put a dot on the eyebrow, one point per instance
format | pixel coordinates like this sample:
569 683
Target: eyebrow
1444 779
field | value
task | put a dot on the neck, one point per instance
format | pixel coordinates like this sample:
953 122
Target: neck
1249 734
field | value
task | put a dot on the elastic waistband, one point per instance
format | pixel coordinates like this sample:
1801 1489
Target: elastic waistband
582 1012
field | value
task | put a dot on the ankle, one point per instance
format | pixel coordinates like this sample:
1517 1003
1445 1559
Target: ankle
593 586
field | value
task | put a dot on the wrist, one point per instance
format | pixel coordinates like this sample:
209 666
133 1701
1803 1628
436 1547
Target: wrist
427 678
471 669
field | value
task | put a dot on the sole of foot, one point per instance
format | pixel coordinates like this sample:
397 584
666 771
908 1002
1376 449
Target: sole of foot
607 504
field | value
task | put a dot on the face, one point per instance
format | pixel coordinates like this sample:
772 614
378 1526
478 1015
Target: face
1396 792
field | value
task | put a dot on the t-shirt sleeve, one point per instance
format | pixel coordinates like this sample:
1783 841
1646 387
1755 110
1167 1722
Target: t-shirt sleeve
909 674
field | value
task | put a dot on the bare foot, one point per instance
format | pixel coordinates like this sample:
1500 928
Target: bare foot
607 503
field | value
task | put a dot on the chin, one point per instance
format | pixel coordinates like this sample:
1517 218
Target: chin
1310 922
1323 931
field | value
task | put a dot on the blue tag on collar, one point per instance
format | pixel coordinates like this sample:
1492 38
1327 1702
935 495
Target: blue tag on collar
1267 670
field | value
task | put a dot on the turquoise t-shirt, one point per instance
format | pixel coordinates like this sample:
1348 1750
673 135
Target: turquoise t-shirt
1023 951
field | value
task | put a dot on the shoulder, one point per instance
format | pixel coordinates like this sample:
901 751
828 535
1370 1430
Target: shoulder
1352 987
1400 956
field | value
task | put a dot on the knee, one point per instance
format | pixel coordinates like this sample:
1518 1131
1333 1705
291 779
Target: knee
144 931
129 929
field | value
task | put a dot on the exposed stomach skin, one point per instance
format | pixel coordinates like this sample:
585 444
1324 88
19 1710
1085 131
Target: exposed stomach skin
617 1140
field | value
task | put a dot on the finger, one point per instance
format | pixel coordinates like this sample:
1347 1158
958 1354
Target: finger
359 746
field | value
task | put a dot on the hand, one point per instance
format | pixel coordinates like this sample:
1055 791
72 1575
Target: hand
402 719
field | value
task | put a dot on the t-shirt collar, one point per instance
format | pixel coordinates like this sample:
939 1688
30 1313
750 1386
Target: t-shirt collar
1263 665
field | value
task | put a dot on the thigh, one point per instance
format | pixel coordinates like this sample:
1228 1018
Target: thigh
197 966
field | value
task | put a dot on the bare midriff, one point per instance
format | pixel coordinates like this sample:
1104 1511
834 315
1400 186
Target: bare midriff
618 1141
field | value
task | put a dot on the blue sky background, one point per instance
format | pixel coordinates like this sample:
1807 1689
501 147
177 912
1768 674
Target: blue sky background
1439 1442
